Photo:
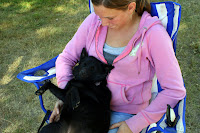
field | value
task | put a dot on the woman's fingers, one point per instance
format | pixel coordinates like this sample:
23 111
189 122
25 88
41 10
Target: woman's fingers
55 116
52 117
115 125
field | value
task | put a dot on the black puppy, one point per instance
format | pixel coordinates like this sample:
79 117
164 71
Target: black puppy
86 99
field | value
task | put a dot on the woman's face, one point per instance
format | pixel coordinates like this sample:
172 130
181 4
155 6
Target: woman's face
114 19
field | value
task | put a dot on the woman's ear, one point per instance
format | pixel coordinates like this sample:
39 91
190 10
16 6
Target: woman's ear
132 7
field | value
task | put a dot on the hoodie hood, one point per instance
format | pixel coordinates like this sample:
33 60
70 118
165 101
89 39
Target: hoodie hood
147 21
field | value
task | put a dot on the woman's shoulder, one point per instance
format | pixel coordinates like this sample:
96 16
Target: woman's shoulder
158 38
157 30
93 16
89 25
91 19
152 24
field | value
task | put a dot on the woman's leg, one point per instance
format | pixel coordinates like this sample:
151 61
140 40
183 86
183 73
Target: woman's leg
118 117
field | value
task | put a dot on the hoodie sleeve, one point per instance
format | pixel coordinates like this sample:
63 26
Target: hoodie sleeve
71 54
169 76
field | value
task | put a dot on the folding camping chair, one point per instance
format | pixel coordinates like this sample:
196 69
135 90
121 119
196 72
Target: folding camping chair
169 13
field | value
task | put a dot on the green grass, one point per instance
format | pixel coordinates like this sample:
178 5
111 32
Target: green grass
34 31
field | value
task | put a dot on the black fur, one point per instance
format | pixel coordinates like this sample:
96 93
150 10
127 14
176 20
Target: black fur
86 99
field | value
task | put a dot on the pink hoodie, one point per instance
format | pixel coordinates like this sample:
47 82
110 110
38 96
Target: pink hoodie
149 52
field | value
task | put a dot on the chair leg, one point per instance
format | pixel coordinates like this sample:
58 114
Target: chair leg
40 98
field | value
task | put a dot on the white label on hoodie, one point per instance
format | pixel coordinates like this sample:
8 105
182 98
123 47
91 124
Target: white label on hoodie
134 50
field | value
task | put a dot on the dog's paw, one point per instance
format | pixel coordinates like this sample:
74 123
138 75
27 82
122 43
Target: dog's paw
39 92
43 88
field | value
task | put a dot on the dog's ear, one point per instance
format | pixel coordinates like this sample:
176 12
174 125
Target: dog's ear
84 53
108 68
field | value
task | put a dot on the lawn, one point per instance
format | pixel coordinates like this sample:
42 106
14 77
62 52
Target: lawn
34 31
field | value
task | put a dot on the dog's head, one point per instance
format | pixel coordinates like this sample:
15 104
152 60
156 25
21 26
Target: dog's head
91 69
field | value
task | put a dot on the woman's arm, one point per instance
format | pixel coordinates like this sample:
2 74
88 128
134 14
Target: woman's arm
169 76
71 54
68 58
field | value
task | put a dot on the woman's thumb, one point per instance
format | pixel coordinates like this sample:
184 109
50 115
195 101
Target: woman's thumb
115 125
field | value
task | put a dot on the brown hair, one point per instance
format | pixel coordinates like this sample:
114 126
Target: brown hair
141 5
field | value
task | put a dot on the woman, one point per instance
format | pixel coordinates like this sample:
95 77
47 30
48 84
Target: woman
124 34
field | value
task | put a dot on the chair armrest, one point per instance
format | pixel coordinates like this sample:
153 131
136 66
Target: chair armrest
30 76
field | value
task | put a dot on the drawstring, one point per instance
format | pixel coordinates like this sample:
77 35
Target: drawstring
140 51
141 43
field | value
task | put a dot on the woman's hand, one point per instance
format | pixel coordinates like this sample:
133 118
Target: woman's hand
55 116
123 127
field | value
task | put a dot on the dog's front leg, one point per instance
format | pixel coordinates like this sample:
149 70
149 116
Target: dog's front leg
43 88
59 93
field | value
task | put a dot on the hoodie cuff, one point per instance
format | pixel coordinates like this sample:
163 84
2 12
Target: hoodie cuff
62 85
137 123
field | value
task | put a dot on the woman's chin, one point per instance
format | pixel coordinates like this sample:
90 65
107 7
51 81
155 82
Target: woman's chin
113 27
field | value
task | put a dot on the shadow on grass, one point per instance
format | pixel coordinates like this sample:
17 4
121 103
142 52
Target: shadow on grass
31 33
